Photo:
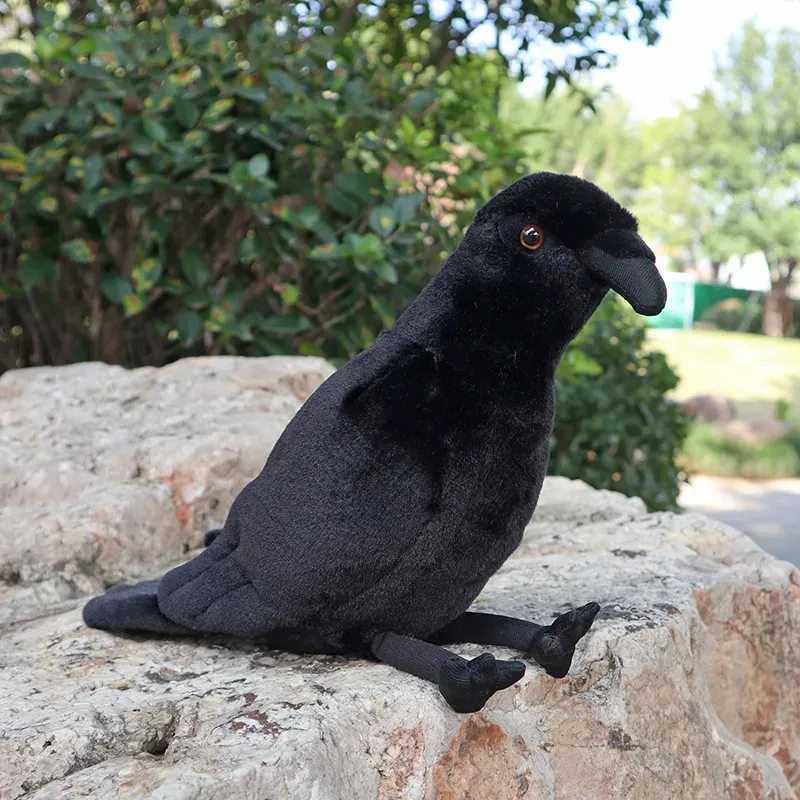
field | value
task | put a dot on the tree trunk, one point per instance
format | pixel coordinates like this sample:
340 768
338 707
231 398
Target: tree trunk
779 310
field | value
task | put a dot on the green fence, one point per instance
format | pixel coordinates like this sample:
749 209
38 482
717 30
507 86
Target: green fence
688 300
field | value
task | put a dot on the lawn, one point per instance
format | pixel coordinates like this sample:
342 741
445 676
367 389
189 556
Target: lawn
753 371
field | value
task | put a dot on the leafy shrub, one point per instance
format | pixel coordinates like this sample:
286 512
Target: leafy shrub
179 188
710 453
615 427
734 314
172 187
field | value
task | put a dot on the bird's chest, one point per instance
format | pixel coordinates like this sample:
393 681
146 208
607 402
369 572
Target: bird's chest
500 487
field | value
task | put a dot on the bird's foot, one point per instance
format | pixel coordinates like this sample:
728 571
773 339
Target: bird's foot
467 685
553 646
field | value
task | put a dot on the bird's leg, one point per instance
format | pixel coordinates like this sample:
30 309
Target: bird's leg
466 685
551 646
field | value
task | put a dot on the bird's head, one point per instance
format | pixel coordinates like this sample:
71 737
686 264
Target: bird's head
563 230
532 268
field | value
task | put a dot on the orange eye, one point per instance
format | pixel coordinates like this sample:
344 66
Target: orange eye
531 237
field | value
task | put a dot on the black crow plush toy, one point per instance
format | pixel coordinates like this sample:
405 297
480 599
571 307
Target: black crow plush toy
407 479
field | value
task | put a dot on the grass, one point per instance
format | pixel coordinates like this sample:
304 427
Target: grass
707 452
753 371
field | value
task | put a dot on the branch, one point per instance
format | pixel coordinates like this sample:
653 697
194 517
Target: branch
344 22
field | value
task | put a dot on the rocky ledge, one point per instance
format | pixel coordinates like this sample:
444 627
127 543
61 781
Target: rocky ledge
687 686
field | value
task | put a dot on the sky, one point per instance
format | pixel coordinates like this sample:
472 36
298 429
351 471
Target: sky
654 79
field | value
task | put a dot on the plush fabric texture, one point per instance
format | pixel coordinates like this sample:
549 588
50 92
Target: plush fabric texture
407 479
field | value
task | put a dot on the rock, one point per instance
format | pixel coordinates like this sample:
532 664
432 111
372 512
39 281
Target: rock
107 473
752 432
687 686
710 408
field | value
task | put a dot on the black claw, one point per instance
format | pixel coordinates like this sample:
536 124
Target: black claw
467 685
509 672
554 646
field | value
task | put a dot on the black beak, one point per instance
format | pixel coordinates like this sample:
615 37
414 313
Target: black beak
620 260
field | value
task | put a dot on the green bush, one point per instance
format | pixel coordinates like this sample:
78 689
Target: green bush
170 187
734 314
615 427
179 187
711 453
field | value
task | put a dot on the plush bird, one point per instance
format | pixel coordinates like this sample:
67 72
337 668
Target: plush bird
407 478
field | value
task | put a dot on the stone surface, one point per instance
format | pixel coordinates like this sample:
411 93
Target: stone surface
687 686
107 473
710 408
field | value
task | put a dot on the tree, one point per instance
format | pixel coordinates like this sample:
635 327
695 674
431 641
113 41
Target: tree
424 35
674 208
333 152
741 155
573 132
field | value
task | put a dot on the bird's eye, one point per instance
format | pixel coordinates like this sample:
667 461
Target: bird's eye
531 237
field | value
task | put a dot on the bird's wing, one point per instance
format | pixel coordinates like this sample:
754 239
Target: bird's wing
350 486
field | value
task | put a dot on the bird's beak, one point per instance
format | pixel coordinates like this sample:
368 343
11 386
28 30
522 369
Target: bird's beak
620 260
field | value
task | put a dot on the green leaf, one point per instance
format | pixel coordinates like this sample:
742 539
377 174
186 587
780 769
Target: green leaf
90 71
44 16
194 267
255 94
340 202
44 48
190 325
134 304
10 166
289 293
146 275
154 129
8 150
147 184
196 138
12 60
80 119
218 108
109 113
289 324
382 220
102 132
85 46
357 185
285 82
406 205
49 205
258 165
80 250
367 247
326 252
186 112
93 170
33 268
385 271
261 132
115 286
40 119
250 248
308 349
422 99
196 299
